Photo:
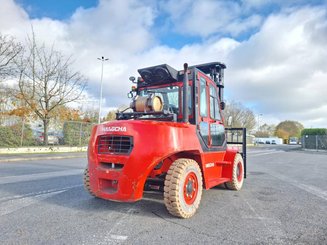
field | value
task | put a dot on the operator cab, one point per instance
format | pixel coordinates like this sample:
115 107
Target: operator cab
159 93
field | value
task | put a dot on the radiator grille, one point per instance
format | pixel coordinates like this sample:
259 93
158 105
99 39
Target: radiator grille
115 144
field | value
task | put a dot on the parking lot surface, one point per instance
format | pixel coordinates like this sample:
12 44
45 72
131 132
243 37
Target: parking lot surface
283 201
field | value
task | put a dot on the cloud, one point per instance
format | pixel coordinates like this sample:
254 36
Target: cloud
204 18
115 29
122 24
11 16
280 70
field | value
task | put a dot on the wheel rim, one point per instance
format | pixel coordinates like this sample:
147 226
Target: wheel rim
239 172
191 188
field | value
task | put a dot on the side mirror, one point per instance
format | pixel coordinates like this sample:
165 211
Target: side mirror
222 105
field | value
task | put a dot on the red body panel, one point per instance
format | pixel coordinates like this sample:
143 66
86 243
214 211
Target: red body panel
153 142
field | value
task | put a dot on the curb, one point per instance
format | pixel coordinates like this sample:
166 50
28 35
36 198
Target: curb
39 158
43 149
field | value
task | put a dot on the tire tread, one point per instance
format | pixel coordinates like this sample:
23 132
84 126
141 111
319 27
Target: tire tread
172 185
86 182
234 183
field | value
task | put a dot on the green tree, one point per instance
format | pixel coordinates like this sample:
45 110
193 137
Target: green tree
314 131
13 136
7 138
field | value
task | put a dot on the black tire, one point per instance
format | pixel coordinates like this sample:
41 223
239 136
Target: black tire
238 174
183 188
86 181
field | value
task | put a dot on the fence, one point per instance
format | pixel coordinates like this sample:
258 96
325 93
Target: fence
237 137
316 142
76 133
69 133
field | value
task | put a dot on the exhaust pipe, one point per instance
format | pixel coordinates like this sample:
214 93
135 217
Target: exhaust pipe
185 94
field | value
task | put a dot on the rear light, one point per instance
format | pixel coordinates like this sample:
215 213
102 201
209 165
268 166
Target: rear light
115 144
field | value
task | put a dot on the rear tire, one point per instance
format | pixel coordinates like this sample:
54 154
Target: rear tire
183 188
87 182
238 174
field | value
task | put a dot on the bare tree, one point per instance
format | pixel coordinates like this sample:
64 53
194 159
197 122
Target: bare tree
241 116
265 130
9 49
47 81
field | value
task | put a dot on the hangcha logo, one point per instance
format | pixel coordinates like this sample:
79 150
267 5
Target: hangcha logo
114 129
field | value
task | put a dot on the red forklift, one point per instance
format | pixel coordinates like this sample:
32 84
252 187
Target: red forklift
172 139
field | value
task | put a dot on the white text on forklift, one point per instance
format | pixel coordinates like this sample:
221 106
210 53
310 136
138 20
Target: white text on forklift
114 129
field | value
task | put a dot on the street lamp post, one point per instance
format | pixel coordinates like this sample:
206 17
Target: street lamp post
259 115
100 100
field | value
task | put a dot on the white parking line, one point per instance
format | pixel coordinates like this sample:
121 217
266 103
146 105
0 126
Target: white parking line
14 205
113 236
39 176
118 237
10 197
271 224
255 154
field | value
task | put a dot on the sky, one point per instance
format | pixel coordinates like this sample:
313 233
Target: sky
275 50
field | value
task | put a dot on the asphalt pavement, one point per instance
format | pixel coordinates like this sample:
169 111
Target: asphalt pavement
283 201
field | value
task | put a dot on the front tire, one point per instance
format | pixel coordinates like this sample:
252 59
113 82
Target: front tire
238 174
183 188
